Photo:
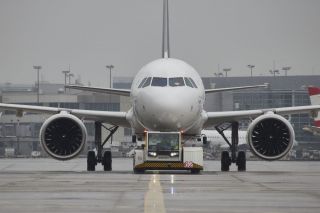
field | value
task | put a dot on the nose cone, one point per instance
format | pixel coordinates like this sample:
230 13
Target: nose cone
171 110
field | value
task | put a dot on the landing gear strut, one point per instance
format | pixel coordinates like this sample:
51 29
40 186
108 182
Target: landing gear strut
106 158
237 157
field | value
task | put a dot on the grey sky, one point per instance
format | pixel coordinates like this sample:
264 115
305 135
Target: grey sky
89 34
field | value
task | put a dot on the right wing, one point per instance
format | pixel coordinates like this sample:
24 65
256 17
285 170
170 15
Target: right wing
266 85
112 91
214 118
110 117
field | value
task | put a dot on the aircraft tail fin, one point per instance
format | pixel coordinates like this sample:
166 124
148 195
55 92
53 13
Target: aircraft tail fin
314 93
165 30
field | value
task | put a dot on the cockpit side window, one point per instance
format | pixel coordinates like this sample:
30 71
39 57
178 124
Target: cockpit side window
159 82
147 82
193 83
188 82
176 82
142 82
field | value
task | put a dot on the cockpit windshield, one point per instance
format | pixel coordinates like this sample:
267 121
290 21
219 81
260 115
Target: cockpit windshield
147 82
163 142
193 83
163 82
176 82
188 82
142 82
159 82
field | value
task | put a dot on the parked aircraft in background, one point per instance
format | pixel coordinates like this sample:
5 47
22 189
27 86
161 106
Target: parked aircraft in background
314 94
167 95
216 139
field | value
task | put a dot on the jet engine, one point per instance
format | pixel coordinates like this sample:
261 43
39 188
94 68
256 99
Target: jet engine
63 136
270 136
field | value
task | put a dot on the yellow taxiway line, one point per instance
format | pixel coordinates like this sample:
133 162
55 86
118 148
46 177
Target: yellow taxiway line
153 200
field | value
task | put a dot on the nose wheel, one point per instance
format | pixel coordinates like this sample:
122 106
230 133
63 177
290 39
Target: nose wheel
237 157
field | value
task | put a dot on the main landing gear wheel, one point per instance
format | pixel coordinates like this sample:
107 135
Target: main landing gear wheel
91 161
225 161
241 161
107 161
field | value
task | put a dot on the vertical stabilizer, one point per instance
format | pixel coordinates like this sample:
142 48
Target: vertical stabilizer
165 30
314 94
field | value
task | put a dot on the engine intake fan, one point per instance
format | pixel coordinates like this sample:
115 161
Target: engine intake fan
63 136
270 136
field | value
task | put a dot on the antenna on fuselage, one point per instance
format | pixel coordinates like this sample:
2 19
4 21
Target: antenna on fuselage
165 31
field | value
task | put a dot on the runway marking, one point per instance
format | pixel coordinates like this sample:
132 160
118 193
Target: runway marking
153 200
7 167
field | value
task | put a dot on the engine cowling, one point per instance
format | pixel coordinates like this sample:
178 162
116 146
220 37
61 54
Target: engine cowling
63 136
270 136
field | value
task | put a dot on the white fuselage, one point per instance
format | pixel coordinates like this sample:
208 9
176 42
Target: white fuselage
164 104
217 140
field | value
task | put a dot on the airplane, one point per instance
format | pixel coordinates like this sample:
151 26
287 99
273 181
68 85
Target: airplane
314 94
167 95
216 139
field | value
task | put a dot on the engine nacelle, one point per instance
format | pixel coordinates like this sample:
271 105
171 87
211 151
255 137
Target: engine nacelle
270 136
63 136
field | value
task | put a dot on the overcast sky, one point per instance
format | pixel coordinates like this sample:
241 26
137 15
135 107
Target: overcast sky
89 34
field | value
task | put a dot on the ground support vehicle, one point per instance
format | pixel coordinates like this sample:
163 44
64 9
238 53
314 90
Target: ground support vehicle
167 151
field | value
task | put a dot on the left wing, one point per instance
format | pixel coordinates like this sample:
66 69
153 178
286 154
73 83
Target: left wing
115 118
266 85
215 118
112 91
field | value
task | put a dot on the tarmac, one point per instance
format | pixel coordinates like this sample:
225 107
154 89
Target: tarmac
47 185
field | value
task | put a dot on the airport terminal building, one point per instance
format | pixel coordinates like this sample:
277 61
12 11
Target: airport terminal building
21 133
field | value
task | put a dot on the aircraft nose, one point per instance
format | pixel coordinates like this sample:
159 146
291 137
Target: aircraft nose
170 112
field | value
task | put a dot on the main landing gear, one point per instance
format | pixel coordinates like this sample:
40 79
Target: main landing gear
106 158
237 157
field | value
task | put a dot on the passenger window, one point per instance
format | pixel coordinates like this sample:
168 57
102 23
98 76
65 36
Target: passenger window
193 83
147 82
142 82
188 82
159 82
176 82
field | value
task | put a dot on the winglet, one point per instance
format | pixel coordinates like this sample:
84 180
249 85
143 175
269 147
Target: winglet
165 31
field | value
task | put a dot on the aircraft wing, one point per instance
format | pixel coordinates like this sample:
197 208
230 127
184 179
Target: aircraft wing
214 118
266 85
112 91
111 117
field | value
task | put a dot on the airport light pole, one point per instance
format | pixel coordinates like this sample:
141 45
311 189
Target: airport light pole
69 77
226 70
38 68
251 66
286 69
65 72
218 74
110 67
274 72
